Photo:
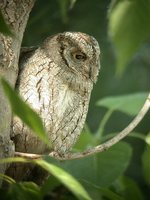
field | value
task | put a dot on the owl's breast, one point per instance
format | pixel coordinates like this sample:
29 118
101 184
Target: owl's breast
69 112
65 100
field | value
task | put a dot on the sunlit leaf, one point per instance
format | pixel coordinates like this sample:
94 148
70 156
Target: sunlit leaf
24 112
7 178
13 160
147 139
68 180
129 104
72 3
128 28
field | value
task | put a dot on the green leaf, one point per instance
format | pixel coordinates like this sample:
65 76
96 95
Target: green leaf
97 192
129 104
97 169
49 185
14 159
3 26
69 181
64 5
24 112
129 189
147 139
146 161
110 194
128 28
24 191
7 178
85 140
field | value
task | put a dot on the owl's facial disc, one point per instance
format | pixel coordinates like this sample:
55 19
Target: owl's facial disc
79 56
80 53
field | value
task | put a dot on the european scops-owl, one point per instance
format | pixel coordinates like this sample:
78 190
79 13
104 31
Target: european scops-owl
56 80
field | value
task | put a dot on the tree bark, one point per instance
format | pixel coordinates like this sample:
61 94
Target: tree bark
15 13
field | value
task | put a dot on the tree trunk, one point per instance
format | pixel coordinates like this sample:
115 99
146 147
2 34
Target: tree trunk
15 13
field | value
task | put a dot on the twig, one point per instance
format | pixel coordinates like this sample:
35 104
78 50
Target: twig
28 155
99 148
101 127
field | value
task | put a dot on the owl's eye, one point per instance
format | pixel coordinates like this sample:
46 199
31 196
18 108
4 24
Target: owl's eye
79 56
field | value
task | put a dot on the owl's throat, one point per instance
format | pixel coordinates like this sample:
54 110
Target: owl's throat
78 83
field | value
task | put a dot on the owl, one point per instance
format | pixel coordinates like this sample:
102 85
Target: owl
56 80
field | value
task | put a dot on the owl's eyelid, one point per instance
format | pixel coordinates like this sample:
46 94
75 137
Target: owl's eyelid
80 56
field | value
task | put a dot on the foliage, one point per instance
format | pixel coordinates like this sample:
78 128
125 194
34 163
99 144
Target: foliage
105 175
94 171
125 103
146 160
126 19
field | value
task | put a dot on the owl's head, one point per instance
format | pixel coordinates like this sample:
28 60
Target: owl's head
78 52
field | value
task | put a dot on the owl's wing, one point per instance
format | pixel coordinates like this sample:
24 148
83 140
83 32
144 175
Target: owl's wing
27 49
25 53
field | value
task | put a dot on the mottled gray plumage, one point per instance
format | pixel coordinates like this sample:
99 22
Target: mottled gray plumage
56 80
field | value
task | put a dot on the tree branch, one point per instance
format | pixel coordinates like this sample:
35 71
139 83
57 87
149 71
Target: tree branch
99 148
15 14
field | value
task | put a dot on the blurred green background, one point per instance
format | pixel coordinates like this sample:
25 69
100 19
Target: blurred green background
50 17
